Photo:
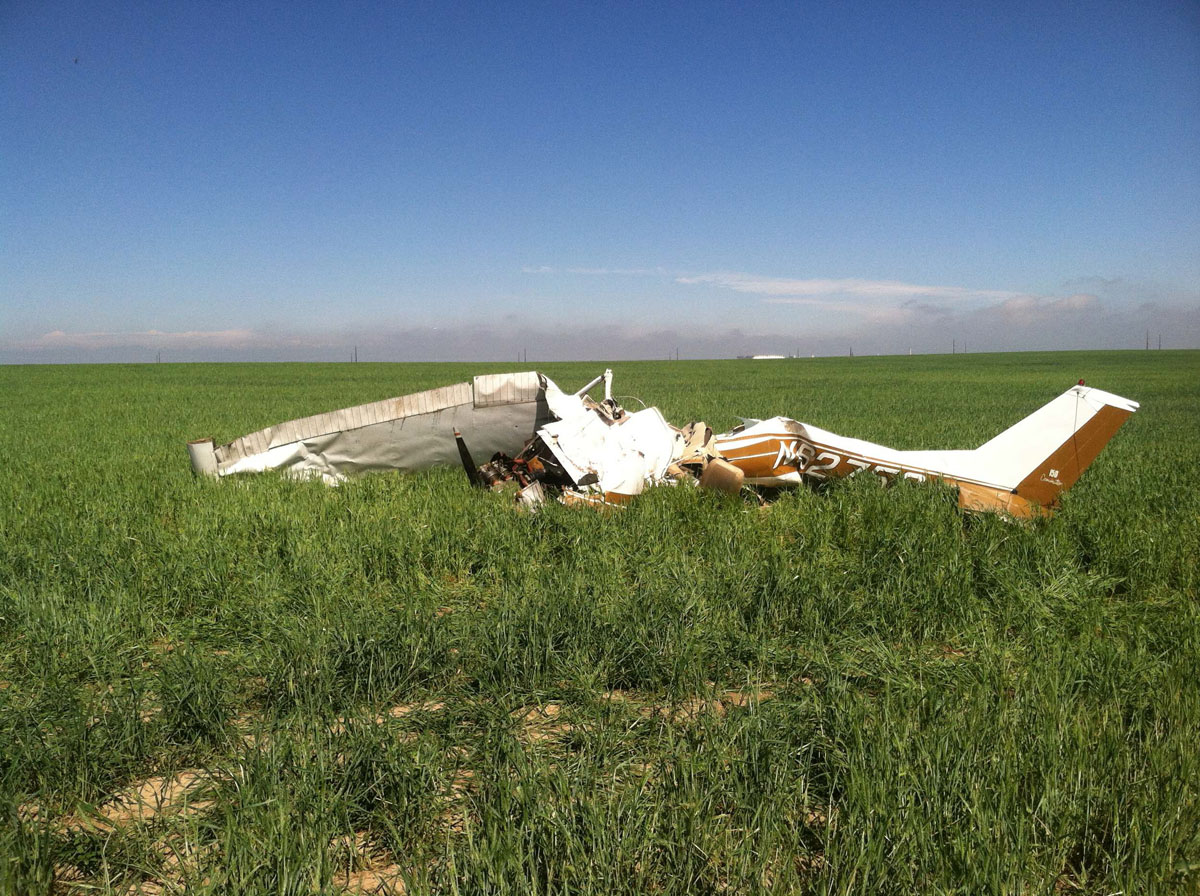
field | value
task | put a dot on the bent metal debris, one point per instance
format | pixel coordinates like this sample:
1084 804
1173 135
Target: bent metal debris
543 442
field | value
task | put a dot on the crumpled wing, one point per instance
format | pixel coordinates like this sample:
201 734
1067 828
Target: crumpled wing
495 413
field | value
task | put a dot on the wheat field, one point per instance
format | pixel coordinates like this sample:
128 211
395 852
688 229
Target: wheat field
260 685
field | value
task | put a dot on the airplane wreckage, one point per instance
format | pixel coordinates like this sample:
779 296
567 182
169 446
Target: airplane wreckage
542 442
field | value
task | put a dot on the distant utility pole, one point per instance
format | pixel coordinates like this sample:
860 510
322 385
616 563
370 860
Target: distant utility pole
851 351
158 355
1147 340
954 346
356 354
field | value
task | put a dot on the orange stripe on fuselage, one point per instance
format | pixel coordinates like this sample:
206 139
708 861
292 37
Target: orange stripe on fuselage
761 465
820 461
826 462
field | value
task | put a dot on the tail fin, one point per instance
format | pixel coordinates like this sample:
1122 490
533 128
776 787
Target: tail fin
1043 455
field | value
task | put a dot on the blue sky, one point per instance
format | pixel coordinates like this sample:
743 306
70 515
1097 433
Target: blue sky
230 180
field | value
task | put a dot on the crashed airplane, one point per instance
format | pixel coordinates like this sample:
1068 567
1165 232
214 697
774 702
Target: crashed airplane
544 442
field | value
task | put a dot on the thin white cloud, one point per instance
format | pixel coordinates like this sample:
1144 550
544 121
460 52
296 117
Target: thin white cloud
153 339
880 300
789 291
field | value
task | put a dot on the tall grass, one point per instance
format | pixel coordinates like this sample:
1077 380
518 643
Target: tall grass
857 689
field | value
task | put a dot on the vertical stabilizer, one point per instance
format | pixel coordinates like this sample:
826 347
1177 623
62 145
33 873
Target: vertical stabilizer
1043 455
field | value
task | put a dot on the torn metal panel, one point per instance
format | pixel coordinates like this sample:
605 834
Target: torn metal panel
597 453
620 457
498 412
204 458
722 476
532 496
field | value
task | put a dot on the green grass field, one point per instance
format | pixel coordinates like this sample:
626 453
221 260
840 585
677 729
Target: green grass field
269 686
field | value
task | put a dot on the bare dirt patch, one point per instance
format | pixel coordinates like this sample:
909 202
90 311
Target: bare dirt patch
389 880
399 711
691 709
146 801
542 723
367 869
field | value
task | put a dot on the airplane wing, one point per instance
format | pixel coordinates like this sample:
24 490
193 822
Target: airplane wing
500 412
